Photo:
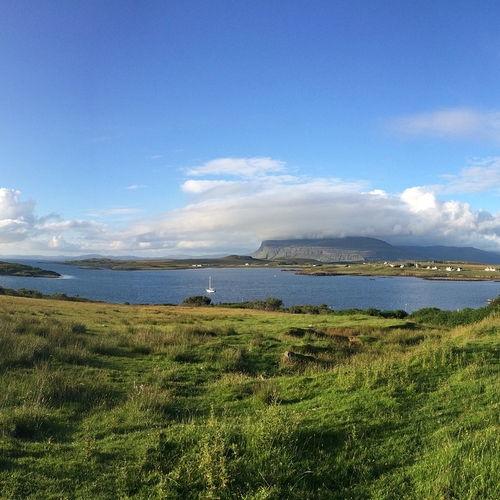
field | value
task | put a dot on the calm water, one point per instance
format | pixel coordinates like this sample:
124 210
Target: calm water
236 285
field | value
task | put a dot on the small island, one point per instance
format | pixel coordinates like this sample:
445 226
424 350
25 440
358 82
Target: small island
14 269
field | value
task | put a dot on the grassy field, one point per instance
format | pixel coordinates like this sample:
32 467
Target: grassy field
104 401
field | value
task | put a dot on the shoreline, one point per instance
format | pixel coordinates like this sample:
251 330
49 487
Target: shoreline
459 271
403 275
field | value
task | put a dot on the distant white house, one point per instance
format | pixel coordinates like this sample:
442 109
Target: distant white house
490 269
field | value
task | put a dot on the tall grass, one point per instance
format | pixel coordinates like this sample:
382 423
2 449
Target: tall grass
114 401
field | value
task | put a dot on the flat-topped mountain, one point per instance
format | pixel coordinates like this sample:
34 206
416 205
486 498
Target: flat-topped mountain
349 249
356 249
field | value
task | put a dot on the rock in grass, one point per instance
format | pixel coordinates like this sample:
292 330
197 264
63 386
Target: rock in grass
295 356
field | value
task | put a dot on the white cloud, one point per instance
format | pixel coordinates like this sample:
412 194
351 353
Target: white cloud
479 176
321 209
234 216
16 217
213 188
240 167
110 212
419 200
379 192
451 123
60 244
12 208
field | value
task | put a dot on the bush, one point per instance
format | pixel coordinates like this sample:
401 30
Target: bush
269 304
272 304
397 314
309 309
438 317
197 300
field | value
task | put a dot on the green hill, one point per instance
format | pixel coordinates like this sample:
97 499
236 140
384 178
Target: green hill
103 401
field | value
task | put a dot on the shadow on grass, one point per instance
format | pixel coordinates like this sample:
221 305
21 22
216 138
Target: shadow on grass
473 350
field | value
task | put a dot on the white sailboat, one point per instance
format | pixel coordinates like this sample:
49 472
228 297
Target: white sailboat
210 289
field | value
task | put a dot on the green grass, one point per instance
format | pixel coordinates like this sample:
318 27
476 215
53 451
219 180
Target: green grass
112 401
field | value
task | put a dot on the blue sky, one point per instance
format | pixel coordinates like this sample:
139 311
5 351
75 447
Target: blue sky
190 127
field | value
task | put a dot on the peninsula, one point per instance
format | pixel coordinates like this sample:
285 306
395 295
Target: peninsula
14 269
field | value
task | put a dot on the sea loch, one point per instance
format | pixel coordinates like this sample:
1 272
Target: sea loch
245 284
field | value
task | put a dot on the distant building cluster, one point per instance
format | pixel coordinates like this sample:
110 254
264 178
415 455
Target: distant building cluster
432 268
435 268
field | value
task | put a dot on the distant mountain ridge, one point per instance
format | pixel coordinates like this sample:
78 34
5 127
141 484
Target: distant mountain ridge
355 249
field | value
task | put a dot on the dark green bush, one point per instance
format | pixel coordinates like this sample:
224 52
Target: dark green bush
397 314
309 309
269 304
438 317
197 300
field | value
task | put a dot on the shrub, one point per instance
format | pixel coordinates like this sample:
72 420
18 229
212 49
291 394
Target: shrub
197 300
438 317
269 304
309 309
397 314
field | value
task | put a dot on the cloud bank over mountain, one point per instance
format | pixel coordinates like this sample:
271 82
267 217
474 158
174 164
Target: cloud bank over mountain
235 203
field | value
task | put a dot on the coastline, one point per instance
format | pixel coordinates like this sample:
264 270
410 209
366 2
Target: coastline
405 275
439 271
